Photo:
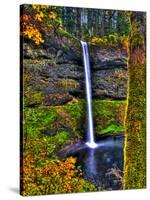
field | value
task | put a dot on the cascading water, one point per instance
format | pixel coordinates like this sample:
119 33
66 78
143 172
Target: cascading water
90 131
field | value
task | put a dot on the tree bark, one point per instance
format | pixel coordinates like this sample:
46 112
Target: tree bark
135 121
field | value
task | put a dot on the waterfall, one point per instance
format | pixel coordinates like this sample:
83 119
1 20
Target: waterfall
90 131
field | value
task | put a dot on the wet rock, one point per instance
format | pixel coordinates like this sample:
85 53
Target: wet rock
56 99
106 56
71 149
111 64
111 83
70 71
57 72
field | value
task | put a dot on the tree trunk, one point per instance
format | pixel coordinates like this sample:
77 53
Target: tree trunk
103 23
135 121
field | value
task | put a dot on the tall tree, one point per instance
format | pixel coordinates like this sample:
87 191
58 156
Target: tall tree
102 29
135 122
78 23
122 23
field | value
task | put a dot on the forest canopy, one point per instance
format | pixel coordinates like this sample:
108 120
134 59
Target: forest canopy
93 25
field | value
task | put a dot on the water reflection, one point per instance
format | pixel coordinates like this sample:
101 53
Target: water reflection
91 164
97 162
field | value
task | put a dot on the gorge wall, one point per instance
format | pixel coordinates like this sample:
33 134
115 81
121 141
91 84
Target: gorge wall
54 73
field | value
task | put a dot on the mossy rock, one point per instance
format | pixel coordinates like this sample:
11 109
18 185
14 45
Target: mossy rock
113 129
108 116
36 119
32 98
68 84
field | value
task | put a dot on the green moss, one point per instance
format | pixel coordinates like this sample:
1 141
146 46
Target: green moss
108 116
35 119
113 129
76 110
62 137
42 148
137 38
135 120
32 97
135 140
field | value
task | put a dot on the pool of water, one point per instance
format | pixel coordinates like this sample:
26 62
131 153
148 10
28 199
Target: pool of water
99 165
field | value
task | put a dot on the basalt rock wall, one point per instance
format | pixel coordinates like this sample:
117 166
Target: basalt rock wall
54 73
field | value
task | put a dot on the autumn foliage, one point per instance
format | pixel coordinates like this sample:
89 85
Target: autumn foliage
38 19
53 177
112 40
42 171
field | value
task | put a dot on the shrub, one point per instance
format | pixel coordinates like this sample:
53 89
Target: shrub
111 40
35 119
53 177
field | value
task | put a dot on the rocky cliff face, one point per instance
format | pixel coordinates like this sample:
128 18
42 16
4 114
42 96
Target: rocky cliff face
54 73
